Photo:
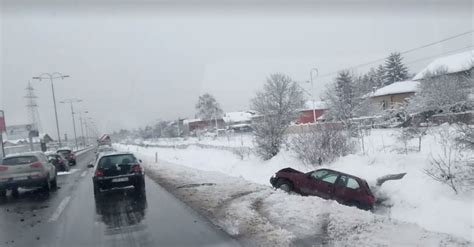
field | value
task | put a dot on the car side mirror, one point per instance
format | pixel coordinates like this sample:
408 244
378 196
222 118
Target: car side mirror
90 165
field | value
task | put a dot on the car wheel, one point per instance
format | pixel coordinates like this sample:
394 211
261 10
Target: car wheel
284 185
54 183
140 186
47 185
3 193
15 192
96 190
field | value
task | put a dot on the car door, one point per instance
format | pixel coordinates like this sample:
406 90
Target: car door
347 189
322 183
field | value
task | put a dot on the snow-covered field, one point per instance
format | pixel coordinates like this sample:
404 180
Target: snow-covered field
417 206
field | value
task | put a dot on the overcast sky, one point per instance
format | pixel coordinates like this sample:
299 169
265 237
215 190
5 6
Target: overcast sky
138 61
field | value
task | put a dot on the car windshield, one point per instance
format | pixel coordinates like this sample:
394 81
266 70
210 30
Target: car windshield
20 160
123 159
237 123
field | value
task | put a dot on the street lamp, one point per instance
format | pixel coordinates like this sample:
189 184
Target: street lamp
312 91
82 128
71 102
51 77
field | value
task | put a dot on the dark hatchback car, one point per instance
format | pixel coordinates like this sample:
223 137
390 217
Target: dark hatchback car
68 154
116 170
59 162
328 184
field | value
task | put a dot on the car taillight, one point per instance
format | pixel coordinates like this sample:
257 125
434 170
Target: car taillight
371 199
136 168
99 173
36 165
3 168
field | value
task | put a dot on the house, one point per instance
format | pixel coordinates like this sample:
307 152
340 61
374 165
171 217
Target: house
311 109
393 95
457 64
194 125
239 121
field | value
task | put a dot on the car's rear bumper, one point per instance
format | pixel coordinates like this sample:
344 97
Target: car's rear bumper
27 183
111 182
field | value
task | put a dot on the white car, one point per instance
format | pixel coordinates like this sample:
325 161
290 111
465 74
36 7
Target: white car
27 170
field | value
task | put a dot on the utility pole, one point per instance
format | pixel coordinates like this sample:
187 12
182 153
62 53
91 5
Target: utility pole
312 91
51 77
71 103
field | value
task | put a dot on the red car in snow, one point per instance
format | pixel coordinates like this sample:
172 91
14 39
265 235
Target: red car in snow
328 184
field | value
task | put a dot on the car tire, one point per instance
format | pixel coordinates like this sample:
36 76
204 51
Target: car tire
15 192
54 183
284 185
96 190
140 186
47 186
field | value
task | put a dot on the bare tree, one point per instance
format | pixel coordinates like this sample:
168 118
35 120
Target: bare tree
452 166
322 143
440 92
277 105
465 140
208 108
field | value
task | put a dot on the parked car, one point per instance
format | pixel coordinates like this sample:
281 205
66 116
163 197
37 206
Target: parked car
328 184
27 170
69 154
61 163
115 170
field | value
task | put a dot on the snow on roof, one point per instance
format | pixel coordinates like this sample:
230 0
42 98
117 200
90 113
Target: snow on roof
318 105
453 63
187 121
241 116
396 88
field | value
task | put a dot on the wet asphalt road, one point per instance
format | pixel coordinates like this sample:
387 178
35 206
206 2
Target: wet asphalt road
71 216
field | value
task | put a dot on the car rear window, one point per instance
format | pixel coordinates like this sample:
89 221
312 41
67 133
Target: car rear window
20 160
117 159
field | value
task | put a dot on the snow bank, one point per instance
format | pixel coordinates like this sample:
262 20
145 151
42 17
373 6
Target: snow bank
416 199
257 215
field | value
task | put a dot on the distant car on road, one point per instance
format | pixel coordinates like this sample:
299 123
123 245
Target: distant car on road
329 184
61 163
27 170
118 169
69 154
103 149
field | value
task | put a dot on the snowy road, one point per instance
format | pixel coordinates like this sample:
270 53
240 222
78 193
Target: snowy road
71 216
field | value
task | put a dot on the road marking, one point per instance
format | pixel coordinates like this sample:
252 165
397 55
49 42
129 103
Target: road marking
83 173
60 209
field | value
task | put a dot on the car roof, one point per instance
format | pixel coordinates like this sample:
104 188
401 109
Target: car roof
114 153
36 153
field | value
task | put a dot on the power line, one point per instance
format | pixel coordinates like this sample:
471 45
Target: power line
403 52
440 54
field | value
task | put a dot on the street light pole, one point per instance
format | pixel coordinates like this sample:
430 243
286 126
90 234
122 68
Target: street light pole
312 91
51 77
71 102
82 128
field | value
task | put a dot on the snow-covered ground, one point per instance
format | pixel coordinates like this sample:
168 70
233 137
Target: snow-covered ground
417 205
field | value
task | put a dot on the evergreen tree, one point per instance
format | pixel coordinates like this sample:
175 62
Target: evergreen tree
394 68
341 97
